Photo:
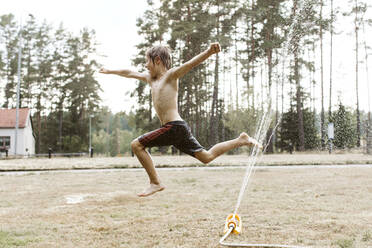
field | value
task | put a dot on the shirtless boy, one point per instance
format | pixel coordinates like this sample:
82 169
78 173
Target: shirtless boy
163 81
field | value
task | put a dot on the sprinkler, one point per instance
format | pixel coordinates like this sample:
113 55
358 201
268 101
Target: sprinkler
233 221
234 225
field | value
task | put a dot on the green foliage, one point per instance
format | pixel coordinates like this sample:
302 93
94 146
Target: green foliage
114 133
101 142
241 119
312 139
125 139
345 133
288 131
73 143
115 141
58 81
59 85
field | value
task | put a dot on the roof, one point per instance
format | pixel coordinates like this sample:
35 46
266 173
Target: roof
8 118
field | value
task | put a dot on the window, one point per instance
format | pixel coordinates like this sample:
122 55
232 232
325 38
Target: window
4 142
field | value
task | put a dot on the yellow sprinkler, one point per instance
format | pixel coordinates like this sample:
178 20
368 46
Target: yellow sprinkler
233 221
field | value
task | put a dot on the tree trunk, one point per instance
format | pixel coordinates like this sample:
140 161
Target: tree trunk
197 109
213 128
60 126
38 125
314 58
214 114
331 67
301 134
357 71
248 61
236 68
300 124
283 79
369 138
322 117
262 85
253 57
269 53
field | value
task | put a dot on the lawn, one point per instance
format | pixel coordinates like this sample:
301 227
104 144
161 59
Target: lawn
316 158
318 207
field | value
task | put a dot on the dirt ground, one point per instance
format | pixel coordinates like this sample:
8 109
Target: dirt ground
316 207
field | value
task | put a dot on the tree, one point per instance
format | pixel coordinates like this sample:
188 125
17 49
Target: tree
60 77
224 11
10 38
296 43
272 20
331 62
287 132
344 130
152 33
357 10
322 114
366 51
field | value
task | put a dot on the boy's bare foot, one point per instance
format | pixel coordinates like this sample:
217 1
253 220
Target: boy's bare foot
249 141
151 190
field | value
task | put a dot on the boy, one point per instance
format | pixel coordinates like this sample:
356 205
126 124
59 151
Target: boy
163 81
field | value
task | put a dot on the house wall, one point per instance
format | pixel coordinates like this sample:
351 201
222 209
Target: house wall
11 133
28 139
25 139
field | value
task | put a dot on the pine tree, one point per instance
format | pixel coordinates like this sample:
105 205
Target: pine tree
296 43
344 131
322 114
152 31
287 133
9 35
331 62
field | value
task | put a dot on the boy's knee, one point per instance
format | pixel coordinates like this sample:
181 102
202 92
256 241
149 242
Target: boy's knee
136 145
205 158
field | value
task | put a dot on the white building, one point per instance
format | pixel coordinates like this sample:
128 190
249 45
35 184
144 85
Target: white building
26 139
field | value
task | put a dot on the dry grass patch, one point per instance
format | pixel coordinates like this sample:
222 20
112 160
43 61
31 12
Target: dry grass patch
319 158
308 207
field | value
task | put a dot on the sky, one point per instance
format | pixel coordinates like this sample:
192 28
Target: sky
115 24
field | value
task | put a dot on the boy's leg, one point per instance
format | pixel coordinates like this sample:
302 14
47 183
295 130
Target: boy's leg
147 163
220 148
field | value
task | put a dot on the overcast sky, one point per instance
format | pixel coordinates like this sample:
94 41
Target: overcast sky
115 24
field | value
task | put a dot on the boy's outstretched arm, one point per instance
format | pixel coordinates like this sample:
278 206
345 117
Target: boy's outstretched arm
126 73
181 70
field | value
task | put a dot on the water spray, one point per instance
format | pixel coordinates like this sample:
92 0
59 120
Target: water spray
233 223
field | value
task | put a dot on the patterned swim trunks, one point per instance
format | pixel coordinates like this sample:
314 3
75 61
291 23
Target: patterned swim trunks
176 133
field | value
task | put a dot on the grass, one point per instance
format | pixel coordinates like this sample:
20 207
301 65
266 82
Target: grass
316 158
345 243
323 207
367 236
14 239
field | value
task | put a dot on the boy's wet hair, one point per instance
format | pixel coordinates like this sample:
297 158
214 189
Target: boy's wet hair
164 54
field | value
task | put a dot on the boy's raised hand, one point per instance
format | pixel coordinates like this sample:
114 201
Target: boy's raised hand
215 47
